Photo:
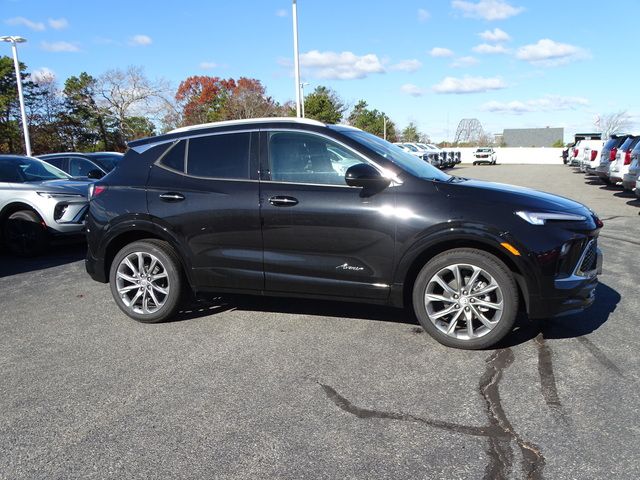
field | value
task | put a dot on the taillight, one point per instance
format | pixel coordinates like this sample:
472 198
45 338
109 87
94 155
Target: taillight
575 152
612 154
95 190
594 155
627 158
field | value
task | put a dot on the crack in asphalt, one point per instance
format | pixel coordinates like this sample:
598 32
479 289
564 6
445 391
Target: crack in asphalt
547 376
611 237
500 432
345 405
600 356
501 453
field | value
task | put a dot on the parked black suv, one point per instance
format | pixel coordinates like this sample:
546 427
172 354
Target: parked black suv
299 208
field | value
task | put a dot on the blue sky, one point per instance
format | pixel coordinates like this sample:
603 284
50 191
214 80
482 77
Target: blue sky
509 63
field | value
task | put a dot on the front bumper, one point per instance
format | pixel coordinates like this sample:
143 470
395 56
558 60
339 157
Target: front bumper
572 294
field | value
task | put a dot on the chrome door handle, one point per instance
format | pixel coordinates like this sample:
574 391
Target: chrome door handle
171 197
283 201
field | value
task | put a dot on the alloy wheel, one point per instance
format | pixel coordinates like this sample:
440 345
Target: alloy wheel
142 282
463 301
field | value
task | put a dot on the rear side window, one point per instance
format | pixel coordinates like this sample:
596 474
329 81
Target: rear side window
219 156
174 158
56 162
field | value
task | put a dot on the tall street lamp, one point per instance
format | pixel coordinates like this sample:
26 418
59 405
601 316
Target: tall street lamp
296 60
13 40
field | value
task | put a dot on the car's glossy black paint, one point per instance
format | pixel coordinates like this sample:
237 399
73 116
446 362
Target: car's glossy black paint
337 241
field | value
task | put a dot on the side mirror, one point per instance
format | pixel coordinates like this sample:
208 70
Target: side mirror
95 174
365 176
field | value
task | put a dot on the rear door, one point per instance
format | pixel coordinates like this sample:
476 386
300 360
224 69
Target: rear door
320 235
205 191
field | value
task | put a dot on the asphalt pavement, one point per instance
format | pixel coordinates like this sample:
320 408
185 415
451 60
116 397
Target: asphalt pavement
255 388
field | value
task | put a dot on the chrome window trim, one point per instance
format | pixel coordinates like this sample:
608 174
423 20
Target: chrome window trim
147 146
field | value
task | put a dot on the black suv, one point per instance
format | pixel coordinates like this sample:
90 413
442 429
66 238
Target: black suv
299 208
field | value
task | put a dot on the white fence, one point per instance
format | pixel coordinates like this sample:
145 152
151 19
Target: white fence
544 156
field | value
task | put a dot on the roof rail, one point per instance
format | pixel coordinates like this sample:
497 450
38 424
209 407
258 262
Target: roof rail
248 120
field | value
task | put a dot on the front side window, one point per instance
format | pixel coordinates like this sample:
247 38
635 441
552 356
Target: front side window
305 158
219 156
79 167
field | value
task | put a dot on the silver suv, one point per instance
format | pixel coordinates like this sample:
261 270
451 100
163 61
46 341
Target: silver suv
38 203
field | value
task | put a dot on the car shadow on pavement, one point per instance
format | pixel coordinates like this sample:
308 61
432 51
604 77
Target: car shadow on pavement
56 256
571 326
208 305
563 327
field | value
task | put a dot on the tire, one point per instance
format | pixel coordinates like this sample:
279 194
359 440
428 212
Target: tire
24 233
141 297
474 163
447 321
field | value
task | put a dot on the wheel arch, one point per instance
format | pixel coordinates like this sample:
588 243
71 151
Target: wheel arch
410 267
127 234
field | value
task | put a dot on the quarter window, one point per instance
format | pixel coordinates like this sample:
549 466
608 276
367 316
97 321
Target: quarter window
219 156
174 158
304 158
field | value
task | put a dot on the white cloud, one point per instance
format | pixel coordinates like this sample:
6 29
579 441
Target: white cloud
140 40
487 48
60 47
411 89
423 15
462 62
340 66
548 53
487 9
440 52
42 74
59 23
208 65
410 65
25 22
281 13
495 35
469 85
548 103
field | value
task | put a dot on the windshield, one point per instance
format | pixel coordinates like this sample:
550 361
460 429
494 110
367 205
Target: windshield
410 147
25 169
107 162
409 163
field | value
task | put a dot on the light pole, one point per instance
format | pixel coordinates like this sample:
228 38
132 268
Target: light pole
302 85
296 60
13 40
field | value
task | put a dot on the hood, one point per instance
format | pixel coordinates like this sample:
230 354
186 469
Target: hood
513 196
66 186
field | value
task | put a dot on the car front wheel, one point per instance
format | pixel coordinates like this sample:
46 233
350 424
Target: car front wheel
466 298
25 234
146 281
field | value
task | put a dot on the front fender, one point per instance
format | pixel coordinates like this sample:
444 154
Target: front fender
455 235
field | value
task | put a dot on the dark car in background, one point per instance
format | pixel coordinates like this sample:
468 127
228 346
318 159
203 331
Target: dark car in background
262 207
90 165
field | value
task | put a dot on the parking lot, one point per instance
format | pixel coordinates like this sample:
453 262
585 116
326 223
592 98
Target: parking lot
244 387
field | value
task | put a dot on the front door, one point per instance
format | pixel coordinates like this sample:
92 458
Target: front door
321 236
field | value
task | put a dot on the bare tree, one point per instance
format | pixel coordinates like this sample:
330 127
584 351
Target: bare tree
129 93
612 123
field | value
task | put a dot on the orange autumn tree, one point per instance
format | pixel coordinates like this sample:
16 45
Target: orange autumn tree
210 99
203 98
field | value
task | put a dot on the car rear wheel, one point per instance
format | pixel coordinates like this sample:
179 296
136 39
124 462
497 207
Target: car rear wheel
466 298
146 281
24 233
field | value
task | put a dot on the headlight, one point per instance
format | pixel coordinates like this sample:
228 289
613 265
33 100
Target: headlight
540 218
59 195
